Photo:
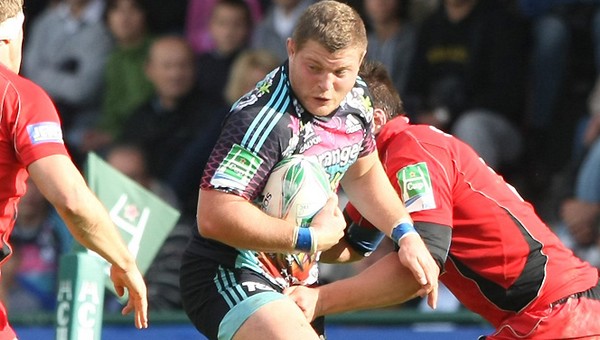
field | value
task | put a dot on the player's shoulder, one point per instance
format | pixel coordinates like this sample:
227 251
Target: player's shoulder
269 93
358 101
16 86
429 134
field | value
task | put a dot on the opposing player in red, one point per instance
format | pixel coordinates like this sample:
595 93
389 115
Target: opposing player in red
31 144
495 254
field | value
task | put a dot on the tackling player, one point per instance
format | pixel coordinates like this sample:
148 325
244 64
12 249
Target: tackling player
495 254
31 144
312 105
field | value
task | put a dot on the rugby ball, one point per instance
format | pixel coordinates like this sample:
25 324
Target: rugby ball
297 188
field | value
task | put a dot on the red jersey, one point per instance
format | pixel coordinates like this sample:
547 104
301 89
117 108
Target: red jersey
29 130
503 259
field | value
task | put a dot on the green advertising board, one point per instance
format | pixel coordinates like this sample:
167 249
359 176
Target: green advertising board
143 219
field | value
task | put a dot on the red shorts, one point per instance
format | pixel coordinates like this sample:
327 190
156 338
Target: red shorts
6 332
571 318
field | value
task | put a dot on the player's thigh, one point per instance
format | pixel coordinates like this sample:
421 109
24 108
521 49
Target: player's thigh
219 299
278 319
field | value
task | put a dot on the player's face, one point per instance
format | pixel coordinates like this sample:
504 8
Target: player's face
321 79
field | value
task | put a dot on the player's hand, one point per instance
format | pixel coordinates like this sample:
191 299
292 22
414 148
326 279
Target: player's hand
328 224
306 298
413 254
138 301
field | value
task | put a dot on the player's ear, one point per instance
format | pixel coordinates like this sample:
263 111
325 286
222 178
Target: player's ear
291 47
379 120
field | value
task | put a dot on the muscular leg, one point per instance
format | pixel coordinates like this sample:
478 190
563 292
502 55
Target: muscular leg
279 319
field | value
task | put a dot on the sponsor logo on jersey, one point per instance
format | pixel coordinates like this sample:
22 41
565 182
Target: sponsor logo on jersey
342 157
310 137
352 124
45 132
237 169
252 286
415 183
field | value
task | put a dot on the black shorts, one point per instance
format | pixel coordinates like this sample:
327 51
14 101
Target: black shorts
211 293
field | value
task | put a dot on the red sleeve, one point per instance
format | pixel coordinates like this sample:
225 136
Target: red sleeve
421 173
35 123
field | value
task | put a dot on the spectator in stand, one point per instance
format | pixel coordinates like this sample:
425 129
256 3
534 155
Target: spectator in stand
276 27
175 113
38 239
565 39
198 18
391 37
125 83
230 28
579 224
249 68
467 77
554 26
66 53
34 9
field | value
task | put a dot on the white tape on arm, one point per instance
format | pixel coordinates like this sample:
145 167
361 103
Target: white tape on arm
11 27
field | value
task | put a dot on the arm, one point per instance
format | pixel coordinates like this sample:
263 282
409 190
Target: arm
385 283
361 238
340 253
384 209
62 184
233 220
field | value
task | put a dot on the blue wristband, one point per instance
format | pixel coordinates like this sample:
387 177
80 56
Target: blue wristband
402 230
304 240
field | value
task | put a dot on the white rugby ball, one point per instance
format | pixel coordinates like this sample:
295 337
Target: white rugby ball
297 188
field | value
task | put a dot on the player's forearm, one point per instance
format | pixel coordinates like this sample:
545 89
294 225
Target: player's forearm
340 253
91 226
87 219
238 223
385 283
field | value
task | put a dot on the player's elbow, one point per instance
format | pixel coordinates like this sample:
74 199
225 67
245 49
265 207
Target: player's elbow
207 227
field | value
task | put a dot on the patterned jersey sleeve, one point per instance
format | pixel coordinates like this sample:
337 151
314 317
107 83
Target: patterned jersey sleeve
33 121
252 141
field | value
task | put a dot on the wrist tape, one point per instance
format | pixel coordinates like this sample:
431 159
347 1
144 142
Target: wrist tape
401 230
305 240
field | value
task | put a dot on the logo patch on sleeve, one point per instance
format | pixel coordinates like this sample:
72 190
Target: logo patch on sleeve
237 169
415 183
45 132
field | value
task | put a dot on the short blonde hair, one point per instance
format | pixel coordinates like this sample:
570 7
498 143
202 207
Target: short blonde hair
332 24
10 8
244 62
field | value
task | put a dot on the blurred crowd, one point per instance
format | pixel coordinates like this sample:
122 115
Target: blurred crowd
147 83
